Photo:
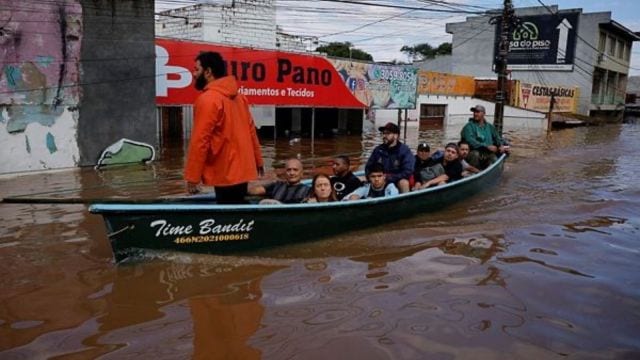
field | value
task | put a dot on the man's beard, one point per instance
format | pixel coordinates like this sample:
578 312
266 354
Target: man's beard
200 83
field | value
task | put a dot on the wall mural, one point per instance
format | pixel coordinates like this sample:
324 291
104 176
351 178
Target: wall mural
380 86
39 93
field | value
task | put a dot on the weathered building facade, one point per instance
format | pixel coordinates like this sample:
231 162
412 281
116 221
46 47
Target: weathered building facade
587 50
76 77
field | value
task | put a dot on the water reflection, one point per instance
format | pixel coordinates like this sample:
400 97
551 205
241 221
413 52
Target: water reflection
216 307
542 266
382 301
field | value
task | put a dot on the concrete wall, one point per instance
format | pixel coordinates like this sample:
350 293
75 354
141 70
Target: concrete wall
240 22
39 93
443 64
118 76
76 77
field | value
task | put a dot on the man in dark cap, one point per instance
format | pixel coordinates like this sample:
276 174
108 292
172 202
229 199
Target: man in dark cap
448 169
483 138
395 157
424 159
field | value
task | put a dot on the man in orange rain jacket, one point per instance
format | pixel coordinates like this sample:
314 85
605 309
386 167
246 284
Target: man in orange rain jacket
224 150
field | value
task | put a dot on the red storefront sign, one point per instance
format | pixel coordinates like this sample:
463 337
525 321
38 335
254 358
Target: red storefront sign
265 77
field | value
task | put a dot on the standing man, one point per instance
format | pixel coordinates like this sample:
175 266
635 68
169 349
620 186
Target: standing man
483 138
396 158
224 150
343 182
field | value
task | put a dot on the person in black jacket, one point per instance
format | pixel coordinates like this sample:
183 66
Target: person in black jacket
448 169
343 182
396 158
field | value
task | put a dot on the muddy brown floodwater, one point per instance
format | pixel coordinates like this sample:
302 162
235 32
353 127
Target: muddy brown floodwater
543 266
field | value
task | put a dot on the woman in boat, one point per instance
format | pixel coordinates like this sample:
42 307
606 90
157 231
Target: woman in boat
321 190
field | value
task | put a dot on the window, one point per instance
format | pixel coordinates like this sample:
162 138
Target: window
603 41
627 52
432 114
620 49
612 46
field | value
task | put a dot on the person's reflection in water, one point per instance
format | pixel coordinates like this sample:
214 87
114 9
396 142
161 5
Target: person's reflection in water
223 324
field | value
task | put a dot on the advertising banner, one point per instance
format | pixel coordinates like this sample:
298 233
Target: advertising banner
266 77
542 42
435 83
380 86
538 97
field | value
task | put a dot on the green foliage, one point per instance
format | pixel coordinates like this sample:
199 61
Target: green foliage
426 51
341 49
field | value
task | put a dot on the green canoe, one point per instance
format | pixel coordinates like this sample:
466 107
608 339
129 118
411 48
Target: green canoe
195 226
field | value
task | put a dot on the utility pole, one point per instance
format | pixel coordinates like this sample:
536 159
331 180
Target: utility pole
550 113
506 23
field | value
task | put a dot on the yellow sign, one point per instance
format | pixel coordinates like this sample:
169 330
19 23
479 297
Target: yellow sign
538 97
434 83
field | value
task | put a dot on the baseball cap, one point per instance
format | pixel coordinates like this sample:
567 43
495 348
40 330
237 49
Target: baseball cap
391 127
423 147
478 108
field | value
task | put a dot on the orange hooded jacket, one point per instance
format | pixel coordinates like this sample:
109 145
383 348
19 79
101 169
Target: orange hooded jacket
224 149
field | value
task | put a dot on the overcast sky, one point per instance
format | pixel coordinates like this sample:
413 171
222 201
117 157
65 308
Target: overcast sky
382 31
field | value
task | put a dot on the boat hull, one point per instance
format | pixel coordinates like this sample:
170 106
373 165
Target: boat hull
210 228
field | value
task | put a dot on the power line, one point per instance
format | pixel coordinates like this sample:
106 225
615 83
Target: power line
362 3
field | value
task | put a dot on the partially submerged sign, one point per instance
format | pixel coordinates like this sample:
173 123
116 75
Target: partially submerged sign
126 151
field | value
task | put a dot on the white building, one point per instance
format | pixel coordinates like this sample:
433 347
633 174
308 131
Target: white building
600 50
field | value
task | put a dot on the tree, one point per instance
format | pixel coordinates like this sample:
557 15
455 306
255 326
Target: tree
426 51
341 49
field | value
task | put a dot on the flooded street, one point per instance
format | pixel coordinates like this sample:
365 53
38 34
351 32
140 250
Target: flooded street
543 266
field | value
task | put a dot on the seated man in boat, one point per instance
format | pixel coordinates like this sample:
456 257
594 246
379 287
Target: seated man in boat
321 190
424 159
376 187
343 181
447 170
483 138
463 150
290 191
395 157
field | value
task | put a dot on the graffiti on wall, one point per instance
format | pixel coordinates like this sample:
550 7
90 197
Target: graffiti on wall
39 53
